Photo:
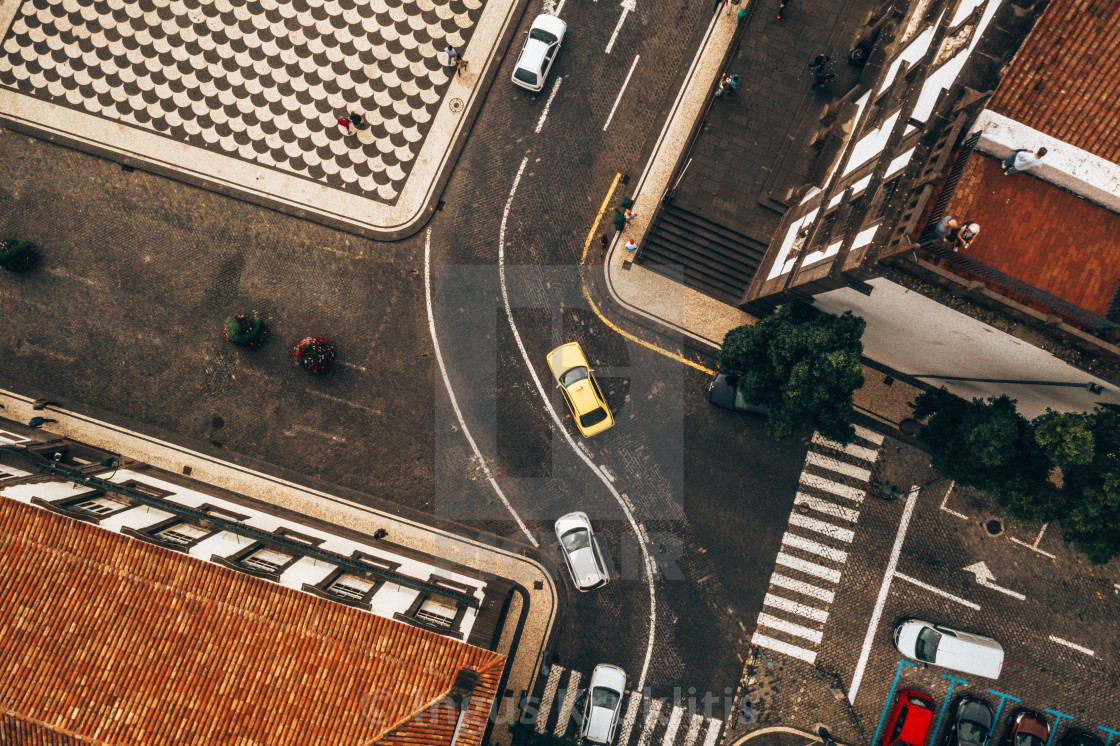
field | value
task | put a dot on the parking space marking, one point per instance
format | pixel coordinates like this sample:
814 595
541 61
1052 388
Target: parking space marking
890 696
1002 698
871 435
860 452
652 715
570 695
773 622
822 527
548 696
809 656
1058 716
814 547
1110 733
840 467
809 612
836 488
693 729
1069 644
1034 547
802 587
713 732
674 724
950 511
938 591
632 708
824 506
809 568
953 681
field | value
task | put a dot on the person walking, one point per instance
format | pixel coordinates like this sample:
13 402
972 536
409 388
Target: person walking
945 226
822 79
1023 160
351 123
39 421
631 246
782 6
727 85
960 238
452 55
819 63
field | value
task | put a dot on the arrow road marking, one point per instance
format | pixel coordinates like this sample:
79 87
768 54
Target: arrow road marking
985 578
628 6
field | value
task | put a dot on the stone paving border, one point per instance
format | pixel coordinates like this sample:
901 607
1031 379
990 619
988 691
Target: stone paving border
289 193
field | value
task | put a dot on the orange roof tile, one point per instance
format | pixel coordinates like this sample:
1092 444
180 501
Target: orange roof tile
110 640
1065 80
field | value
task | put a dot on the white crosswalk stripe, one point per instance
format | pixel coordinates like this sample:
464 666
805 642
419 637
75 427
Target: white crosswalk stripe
813 547
802 587
871 435
549 695
810 612
712 735
809 568
693 729
835 488
797 630
840 467
860 452
822 527
651 720
809 656
674 724
632 709
828 508
570 694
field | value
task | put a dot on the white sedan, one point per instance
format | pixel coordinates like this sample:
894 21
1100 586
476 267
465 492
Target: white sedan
604 703
581 551
545 36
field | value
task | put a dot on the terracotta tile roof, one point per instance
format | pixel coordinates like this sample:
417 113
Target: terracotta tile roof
1040 234
111 640
1065 80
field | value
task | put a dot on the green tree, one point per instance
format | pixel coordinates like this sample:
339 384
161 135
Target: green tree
987 445
802 364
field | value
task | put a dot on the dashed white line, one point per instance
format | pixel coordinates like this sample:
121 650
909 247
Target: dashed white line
1069 644
945 500
813 547
632 709
809 612
548 697
693 730
840 467
671 729
791 584
570 695
451 393
809 568
835 488
652 715
773 622
627 7
624 84
860 452
871 435
713 732
809 656
938 591
822 527
824 506
548 105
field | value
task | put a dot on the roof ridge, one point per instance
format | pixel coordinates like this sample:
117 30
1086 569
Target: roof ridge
14 715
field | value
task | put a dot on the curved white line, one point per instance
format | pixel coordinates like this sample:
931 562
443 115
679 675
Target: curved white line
451 394
623 501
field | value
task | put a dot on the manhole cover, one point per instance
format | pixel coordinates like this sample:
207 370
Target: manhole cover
994 527
217 422
456 105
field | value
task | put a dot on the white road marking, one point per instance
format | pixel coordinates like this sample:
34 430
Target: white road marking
1069 644
808 568
938 591
603 468
860 452
840 467
985 578
671 729
548 696
871 435
813 547
1037 539
824 506
809 656
693 730
836 488
622 500
451 394
651 720
801 587
822 527
950 511
570 695
810 612
632 709
627 7
559 8
813 635
888 576
713 732
623 89
548 105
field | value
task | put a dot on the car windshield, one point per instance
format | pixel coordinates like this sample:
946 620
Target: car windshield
971 732
541 35
926 647
576 539
1026 739
594 417
571 375
606 698
525 76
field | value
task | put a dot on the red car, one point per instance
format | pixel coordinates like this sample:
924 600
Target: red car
1028 728
910 720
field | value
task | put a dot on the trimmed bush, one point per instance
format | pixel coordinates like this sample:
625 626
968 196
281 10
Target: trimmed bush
245 330
314 354
16 255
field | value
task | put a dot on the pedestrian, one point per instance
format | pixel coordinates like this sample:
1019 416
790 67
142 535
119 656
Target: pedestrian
782 6
1023 160
823 79
857 57
818 64
962 237
39 421
944 226
627 215
631 246
452 55
349 124
727 85
460 64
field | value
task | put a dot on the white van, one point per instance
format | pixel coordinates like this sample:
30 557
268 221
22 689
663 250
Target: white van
949 648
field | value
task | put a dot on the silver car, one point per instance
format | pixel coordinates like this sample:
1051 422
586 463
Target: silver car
581 551
604 703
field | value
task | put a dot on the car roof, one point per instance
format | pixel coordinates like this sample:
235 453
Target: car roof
551 24
918 717
600 718
532 56
583 396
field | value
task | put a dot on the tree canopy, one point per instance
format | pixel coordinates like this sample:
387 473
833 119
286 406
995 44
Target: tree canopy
802 364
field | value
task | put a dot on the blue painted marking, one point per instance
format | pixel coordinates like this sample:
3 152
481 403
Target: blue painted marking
953 681
1002 698
1110 733
890 696
1058 718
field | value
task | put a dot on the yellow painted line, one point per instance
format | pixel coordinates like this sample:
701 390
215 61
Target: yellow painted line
345 253
587 293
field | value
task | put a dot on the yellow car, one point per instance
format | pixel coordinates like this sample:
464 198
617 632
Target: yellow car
585 399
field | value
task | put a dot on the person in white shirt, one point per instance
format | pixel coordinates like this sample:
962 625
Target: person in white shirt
1023 160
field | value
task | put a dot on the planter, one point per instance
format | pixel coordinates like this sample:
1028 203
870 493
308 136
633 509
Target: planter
246 330
314 354
17 255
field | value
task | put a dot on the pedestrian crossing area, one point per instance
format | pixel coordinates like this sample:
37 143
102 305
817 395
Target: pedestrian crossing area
815 545
645 721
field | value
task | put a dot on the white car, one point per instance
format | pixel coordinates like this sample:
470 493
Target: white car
545 36
581 551
949 648
604 703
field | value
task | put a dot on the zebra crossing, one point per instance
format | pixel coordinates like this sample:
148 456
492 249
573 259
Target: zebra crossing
646 721
815 545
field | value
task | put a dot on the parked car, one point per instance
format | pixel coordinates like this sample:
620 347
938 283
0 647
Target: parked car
723 391
541 46
949 648
581 391
604 703
971 723
910 719
1027 728
1078 737
581 551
